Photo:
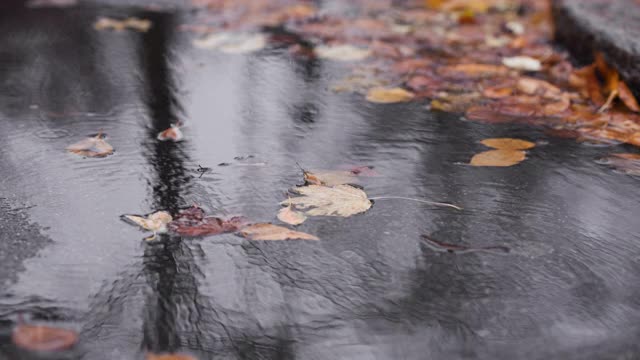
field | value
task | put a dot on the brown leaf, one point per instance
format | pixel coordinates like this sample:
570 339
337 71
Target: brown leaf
43 338
389 95
193 222
266 231
498 158
508 144
92 147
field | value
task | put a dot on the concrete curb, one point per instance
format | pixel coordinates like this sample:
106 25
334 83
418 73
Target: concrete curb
611 27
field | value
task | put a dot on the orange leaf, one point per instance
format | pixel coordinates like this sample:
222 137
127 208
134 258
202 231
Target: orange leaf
498 158
43 338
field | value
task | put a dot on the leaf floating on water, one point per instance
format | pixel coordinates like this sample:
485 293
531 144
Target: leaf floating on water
524 63
152 356
342 52
389 95
289 216
156 222
232 43
508 144
92 147
266 231
193 222
43 338
133 23
499 158
340 200
173 134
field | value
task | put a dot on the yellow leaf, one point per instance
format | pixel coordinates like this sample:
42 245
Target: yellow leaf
389 95
508 144
499 158
266 231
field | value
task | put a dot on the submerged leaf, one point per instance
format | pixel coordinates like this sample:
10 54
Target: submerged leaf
342 52
341 200
193 222
499 158
266 231
156 222
43 338
389 95
508 144
92 147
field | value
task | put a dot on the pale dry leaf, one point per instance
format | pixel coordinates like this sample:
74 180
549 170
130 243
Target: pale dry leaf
508 144
524 63
342 52
266 231
156 222
232 43
498 158
289 216
92 147
389 95
340 200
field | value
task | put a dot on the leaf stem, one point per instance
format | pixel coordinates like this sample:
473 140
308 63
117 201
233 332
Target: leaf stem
418 200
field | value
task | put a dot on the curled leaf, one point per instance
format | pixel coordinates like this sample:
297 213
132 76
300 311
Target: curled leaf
389 95
508 144
290 216
340 200
173 133
43 338
156 222
92 147
498 158
266 231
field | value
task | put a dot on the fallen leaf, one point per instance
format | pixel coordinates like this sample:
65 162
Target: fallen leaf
92 147
498 158
152 356
342 52
340 200
389 95
43 338
508 144
266 231
329 177
193 222
290 216
232 43
156 222
524 63
133 23
173 133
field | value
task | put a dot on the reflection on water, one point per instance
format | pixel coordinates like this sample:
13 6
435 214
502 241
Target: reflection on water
371 289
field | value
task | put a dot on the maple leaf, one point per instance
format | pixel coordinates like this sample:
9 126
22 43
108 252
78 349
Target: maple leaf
92 147
266 231
340 200
43 338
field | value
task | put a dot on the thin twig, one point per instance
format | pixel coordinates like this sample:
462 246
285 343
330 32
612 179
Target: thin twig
418 200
